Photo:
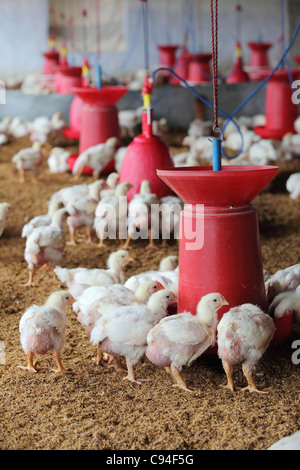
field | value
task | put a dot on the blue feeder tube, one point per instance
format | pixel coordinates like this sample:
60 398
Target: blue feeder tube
216 143
99 76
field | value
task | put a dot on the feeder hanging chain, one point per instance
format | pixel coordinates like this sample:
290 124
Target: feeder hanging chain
214 42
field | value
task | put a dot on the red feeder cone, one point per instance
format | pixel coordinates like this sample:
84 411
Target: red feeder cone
259 59
199 70
219 248
238 74
99 119
145 154
182 67
280 112
167 57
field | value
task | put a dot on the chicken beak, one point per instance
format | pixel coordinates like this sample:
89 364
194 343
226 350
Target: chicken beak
71 300
224 302
129 259
159 286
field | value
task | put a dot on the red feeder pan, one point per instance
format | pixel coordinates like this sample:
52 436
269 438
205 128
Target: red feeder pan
99 120
280 111
199 70
259 59
167 56
182 67
51 62
220 213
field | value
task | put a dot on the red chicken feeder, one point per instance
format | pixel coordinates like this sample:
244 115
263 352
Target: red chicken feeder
167 57
99 120
51 62
143 157
66 78
75 114
71 162
280 111
259 59
238 75
199 70
219 246
181 67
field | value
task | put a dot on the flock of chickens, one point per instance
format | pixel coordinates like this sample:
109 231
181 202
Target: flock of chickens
130 319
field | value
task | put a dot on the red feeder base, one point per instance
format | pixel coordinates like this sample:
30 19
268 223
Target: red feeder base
238 74
219 248
167 57
181 68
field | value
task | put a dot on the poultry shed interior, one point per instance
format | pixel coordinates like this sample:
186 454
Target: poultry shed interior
149 224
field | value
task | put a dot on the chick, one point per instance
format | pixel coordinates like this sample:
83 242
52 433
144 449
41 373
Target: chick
286 303
96 157
79 279
96 301
45 245
5 209
123 331
178 340
58 160
41 220
287 279
244 334
43 329
29 159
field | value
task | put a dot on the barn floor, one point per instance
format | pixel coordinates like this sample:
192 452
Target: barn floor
94 408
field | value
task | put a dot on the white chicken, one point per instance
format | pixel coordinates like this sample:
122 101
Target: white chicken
70 192
139 215
119 157
43 329
96 157
4 125
178 340
287 279
290 146
293 185
123 331
112 182
111 214
43 128
82 211
58 160
41 220
45 245
129 120
244 334
198 128
19 127
79 279
29 159
166 275
233 141
263 152
297 125
3 139
160 127
96 301
291 442
286 303
5 209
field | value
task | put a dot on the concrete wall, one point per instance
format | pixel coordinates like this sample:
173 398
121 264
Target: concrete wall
23 36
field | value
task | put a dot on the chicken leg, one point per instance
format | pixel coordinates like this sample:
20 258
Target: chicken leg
251 384
30 283
180 383
31 367
60 368
228 371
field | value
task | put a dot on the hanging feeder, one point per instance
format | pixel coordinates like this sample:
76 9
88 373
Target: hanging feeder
51 59
145 154
199 70
167 57
259 59
181 67
238 75
280 111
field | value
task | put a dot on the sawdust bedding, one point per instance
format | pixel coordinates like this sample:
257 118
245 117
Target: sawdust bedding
94 408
